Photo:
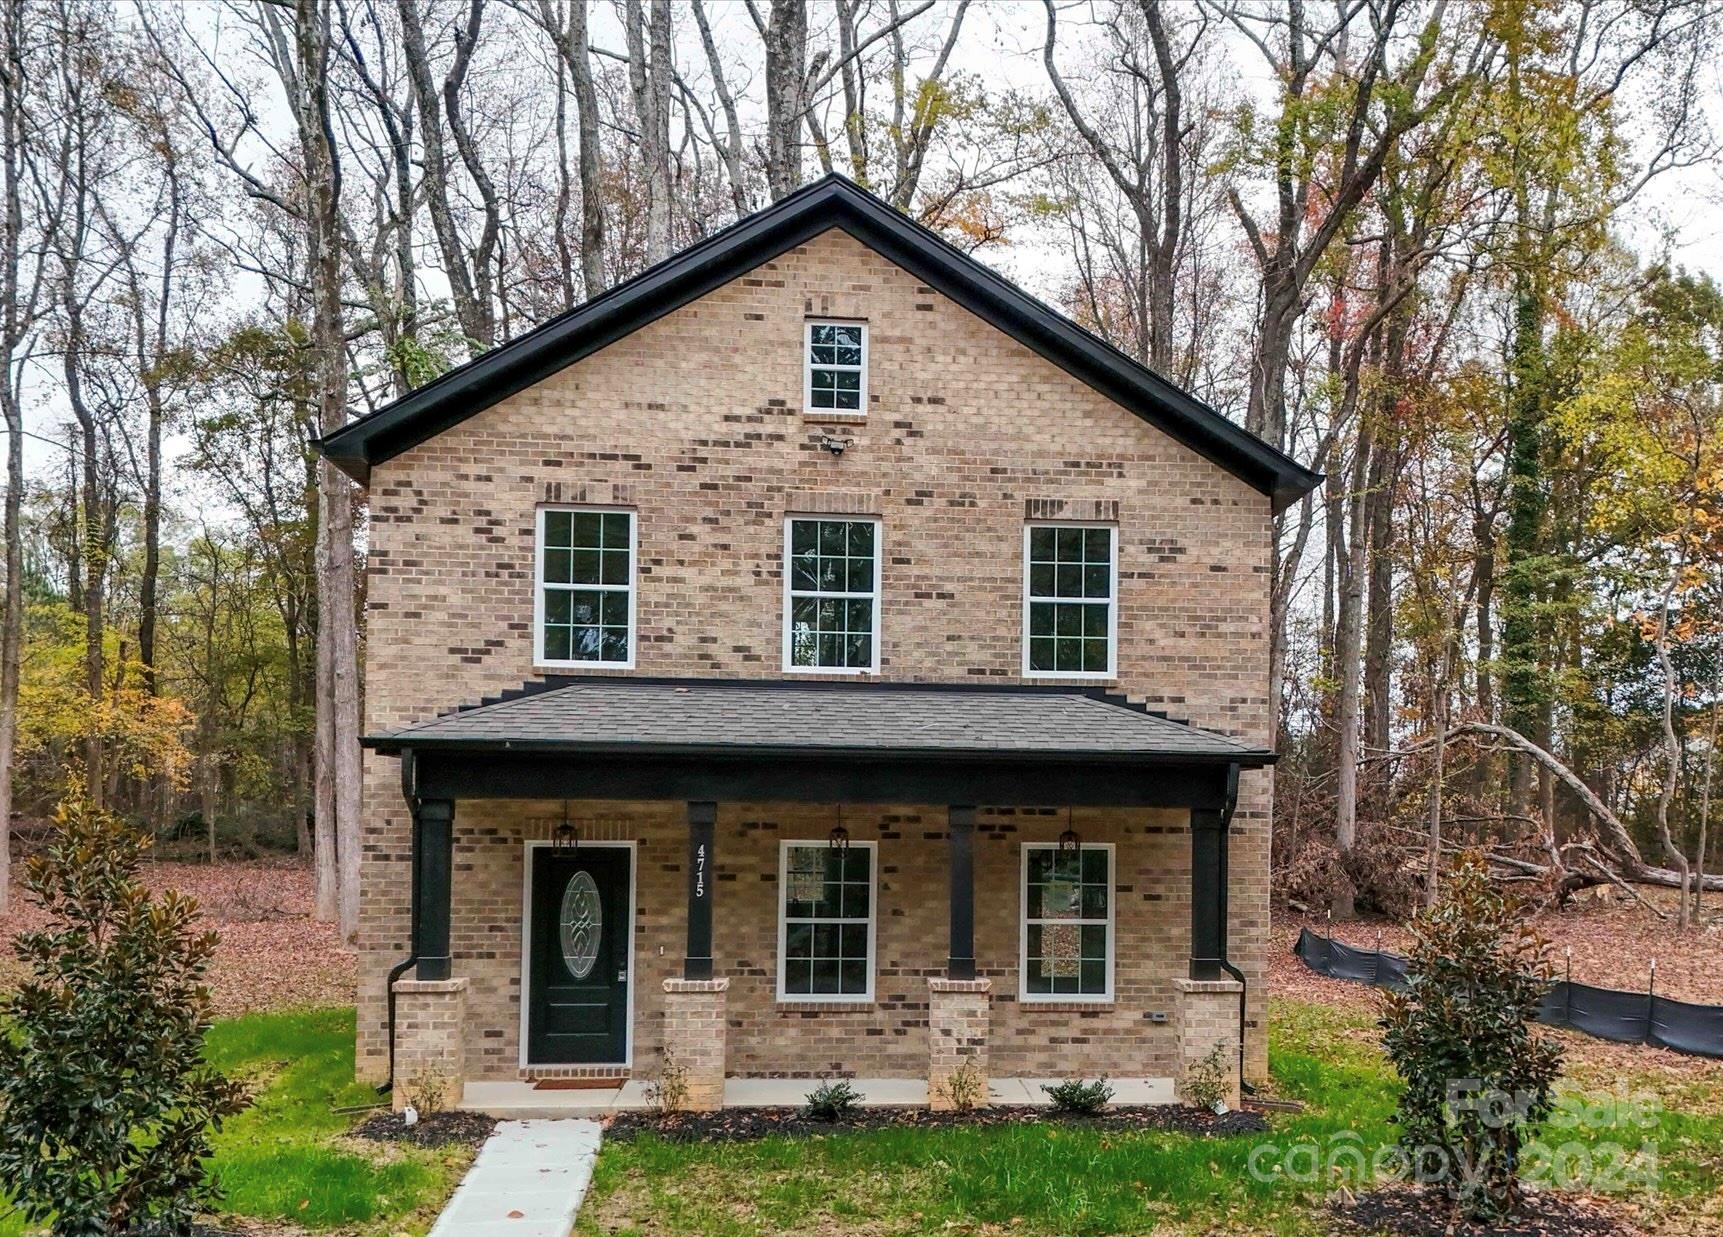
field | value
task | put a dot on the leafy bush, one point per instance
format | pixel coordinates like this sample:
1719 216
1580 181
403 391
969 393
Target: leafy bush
964 1088
106 1103
1208 1082
1477 1078
1076 1096
833 1101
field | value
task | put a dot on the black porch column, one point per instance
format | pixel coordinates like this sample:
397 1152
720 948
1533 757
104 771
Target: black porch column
1208 892
433 867
697 962
961 963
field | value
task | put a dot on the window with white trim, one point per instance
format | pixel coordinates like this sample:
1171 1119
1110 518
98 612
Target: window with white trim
585 603
1069 594
1067 923
826 922
831 594
836 369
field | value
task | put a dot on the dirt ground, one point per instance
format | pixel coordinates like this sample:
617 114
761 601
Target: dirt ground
1609 941
272 954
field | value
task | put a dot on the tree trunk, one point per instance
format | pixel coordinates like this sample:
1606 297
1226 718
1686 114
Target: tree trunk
1349 657
12 331
786 36
1671 742
339 771
1438 769
1704 822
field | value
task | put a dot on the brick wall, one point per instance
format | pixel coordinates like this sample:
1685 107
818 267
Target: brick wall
695 422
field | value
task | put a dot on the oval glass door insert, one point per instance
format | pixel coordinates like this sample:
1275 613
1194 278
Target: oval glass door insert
582 921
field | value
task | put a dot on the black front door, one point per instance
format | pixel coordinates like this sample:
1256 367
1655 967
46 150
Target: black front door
577 976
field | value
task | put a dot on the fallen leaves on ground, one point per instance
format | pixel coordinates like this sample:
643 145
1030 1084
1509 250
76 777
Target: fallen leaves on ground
273 954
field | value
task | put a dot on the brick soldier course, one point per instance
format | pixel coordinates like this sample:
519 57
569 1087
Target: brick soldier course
693 420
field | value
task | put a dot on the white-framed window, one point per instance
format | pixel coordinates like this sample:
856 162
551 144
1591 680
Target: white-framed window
583 607
835 368
826 921
1070 600
1067 942
831 594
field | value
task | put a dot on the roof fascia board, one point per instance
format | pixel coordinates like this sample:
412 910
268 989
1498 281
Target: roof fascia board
831 203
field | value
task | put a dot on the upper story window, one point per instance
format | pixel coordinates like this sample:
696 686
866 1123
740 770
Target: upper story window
1067 946
1070 618
826 922
836 367
584 610
831 595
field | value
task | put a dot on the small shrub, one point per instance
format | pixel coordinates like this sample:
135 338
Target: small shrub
668 1093
1076 1096
1477 1078
1208 1082
964 1088
106 1102
428 1091
833 1101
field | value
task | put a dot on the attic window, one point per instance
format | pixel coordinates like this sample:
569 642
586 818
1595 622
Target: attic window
836 369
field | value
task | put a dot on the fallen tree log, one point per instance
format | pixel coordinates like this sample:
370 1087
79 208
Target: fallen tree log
1615 837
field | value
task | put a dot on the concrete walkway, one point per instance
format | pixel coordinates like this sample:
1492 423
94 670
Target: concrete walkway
527 1181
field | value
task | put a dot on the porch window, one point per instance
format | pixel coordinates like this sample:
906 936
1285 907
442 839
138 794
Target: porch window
1069 593
836 370
1067 924
826 922
585 601
831 595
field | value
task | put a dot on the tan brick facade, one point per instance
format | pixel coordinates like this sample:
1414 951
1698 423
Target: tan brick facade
431 1041
694 422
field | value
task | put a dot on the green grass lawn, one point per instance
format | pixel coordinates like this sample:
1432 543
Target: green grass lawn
286 1157
1059 1179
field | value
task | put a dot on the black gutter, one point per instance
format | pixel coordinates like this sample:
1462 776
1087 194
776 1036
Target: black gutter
1231 806
408 782
389 745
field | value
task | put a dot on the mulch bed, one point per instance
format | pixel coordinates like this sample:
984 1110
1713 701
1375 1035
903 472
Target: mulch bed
437 1129
752 1124
1408 1211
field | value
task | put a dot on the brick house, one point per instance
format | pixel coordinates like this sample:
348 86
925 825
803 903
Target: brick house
814 656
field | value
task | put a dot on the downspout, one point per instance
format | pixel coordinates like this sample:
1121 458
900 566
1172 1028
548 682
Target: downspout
409 784
1228 807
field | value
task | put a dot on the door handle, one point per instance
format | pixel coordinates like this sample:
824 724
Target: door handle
622 976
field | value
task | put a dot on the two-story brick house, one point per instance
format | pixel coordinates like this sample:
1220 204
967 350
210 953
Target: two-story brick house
814 656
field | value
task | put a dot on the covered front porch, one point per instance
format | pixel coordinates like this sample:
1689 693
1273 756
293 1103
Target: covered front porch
694 810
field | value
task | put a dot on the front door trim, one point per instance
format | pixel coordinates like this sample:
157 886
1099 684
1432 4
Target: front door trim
627 1061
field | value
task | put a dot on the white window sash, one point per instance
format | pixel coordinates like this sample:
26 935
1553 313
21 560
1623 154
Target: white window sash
793 594
541 586
1111 601
784 922
809 366
1024 996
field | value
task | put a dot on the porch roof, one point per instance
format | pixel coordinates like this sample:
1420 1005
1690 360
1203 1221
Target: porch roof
871 721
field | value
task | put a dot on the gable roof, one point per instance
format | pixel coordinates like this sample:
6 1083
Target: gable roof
831 202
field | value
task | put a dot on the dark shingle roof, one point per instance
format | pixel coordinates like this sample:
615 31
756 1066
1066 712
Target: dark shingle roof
831 202
724 717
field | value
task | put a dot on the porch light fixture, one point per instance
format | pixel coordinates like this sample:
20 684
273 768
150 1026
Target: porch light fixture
1069 842
565 839
840 836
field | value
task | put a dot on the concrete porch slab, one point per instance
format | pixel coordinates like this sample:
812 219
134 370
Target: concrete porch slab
520 1100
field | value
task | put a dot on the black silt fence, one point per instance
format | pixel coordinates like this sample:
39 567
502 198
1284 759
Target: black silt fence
1603 1013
